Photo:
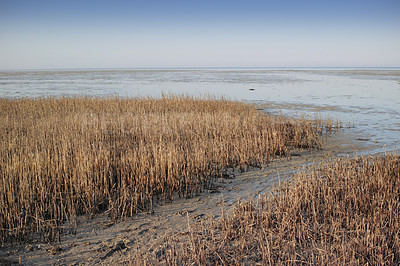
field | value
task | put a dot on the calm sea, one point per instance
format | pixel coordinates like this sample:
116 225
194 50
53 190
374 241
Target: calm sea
369 99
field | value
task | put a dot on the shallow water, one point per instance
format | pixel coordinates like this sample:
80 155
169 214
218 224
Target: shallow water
368 99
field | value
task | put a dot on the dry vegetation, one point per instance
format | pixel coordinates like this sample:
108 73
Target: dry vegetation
344 212
61 157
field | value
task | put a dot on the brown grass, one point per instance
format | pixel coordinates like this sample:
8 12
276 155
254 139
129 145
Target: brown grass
345 212
61 157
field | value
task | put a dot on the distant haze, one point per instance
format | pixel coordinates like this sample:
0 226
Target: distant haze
141 34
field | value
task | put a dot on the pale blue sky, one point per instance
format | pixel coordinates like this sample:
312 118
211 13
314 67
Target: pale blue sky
252 33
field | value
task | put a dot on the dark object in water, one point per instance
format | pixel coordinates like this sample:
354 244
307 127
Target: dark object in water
360 139
251 89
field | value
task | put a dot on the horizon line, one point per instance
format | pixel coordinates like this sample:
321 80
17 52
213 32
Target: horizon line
197 68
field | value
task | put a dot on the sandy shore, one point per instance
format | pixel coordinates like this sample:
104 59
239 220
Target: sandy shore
101 241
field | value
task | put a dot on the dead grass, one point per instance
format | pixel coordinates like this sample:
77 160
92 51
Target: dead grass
344 212
61 157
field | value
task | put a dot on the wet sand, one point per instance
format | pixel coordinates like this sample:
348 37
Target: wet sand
101 241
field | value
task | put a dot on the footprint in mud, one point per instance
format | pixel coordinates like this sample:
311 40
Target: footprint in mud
184 212
138 227
107 225
110 249
143 224
199 216
120 245
143 231
55 250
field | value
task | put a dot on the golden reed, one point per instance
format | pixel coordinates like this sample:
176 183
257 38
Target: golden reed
61 157
344 212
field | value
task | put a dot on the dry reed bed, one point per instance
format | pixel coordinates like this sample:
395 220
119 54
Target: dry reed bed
345 212
61 157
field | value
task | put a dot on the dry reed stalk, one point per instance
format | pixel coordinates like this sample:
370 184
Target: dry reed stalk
61 157
343 212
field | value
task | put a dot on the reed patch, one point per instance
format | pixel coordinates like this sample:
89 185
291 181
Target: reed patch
62 157
343 212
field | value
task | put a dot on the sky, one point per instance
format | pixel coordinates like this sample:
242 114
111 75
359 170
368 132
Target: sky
56 34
